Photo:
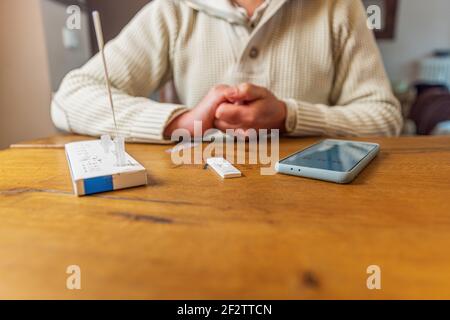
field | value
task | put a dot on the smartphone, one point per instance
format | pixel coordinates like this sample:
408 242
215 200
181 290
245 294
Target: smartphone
330 160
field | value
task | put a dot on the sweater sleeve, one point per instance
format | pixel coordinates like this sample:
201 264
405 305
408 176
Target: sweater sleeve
361 102
138 64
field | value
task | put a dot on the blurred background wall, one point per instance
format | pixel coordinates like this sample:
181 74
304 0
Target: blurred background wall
66 49
422 26
24 74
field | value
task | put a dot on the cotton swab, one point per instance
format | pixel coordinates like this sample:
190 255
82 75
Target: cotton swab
101 45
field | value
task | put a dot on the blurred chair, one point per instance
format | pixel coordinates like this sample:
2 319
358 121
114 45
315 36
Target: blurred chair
431 109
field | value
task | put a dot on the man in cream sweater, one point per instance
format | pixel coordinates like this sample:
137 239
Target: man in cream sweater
306 67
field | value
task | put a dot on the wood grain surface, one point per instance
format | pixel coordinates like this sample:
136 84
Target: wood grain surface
191 235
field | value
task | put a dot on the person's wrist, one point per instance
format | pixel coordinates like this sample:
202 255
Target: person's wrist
205 115
282 123
179 122
208 116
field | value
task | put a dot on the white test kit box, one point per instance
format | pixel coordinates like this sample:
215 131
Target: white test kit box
93 170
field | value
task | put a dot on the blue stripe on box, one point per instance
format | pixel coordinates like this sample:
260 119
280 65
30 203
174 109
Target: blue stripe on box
97 185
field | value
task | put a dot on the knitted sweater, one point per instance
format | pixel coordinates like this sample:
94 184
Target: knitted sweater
318 56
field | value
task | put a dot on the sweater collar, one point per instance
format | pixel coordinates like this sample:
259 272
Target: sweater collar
224 9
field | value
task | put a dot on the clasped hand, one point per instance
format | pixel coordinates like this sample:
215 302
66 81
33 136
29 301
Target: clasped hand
240 108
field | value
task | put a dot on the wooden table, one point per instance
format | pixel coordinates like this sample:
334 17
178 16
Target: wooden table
191 235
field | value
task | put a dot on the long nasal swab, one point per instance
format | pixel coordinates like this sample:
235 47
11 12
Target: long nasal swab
119 141
101 45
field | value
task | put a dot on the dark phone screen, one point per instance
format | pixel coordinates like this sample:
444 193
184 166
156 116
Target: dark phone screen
331 155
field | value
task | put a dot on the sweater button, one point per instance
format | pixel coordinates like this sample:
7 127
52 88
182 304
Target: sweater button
254 53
